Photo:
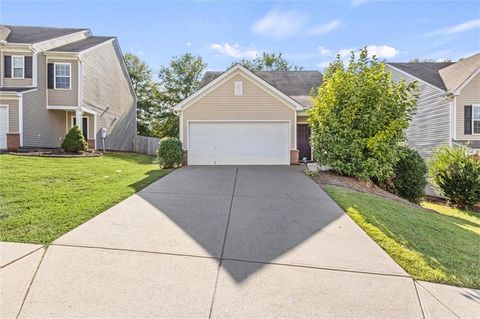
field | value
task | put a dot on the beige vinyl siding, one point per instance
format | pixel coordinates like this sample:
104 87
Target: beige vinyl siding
91 123
62 97
255 104
302 119
469 95
13 114
9 82
430 126
107 91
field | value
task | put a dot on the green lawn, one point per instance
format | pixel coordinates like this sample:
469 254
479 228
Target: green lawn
43 198
441 246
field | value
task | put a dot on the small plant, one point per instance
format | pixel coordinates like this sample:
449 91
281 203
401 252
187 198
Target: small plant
74 141
456 175
170 153
410 175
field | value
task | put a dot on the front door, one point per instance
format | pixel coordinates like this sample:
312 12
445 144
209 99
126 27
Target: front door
303 142
84 125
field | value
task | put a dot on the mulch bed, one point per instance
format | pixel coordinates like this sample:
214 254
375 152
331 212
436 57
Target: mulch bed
55 153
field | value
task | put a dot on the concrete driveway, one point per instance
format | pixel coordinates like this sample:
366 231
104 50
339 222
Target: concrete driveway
222 242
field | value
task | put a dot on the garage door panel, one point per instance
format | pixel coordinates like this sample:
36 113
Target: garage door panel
239 143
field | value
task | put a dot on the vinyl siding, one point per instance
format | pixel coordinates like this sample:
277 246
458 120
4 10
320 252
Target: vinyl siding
302 119
255 104
107 91
13 114
91 123
9 82
430 126
60 97
469 95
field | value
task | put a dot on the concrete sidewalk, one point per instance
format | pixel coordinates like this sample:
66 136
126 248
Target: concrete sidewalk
222 242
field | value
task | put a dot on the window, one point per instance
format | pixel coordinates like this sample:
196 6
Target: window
238 88
62 76
476 119
18 66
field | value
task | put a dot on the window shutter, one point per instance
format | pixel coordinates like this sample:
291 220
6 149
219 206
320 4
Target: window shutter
8 66
51 77
28 67
467 116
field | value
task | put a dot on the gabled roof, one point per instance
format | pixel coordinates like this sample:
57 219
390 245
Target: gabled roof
456 74
426 71
212 79
81 45
32 34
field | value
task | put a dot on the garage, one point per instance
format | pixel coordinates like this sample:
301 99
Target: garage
239 143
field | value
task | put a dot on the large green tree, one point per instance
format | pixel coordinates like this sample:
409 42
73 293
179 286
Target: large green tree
146 90
179 79
268 62
359 117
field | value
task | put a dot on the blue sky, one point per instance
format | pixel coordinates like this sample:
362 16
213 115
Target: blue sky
308 33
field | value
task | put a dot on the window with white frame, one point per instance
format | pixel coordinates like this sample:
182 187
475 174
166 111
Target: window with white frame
238 88
476 119
62 76
18 66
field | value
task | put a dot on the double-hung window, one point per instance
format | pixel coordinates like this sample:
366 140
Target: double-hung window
476 118
62 76
18 67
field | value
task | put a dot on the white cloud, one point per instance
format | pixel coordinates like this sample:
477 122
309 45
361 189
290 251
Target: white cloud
324 51
462 27
234 51
279 25
323 29
188 44
382 51
344 53
356 3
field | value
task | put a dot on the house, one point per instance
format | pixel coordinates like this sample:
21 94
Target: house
54 78
243 117
448 109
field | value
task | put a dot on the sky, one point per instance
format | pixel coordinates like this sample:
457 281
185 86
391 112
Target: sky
309 33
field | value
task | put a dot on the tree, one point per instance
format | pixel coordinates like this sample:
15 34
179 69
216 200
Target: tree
146 90
268 62
417 60
178 80
359 117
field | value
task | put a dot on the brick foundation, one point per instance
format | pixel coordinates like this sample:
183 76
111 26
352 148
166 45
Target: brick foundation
185 158
13 141
91 144
294 160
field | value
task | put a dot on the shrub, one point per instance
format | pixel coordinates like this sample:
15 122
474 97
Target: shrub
456 175
170 153
359 116
74 141
410 175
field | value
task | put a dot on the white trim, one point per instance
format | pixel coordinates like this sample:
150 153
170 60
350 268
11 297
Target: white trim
62 76
180 133
88 124
464 84
13 77
8 124
227 75
79 84
34 69
419 80
473 120
20 119
95 130
35 45
62 107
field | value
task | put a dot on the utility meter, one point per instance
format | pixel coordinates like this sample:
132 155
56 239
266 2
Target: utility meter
104 132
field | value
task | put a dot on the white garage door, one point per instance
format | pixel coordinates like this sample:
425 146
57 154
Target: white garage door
3 126
238 143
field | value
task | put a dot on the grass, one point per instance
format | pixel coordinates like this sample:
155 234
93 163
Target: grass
43 198
441 244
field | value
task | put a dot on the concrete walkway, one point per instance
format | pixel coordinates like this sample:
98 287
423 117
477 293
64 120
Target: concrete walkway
222 242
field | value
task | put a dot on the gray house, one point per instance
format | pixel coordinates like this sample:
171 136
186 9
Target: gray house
54 78
448 109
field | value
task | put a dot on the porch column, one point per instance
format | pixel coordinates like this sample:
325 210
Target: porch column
79 119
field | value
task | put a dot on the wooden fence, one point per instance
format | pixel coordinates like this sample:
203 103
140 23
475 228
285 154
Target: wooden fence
146 145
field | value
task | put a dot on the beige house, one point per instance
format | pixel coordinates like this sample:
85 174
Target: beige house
54 78
448 109
240 117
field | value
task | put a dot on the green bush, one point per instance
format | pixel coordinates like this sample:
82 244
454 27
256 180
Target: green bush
170 152
410 175
456 175
359 117
74 141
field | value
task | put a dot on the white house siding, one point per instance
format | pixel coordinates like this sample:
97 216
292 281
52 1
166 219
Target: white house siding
469 95
107 91
430 126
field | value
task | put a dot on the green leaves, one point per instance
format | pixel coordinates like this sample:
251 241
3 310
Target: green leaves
359 117
268 62
74 141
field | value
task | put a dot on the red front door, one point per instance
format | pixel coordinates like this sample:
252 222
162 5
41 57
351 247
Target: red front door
303 142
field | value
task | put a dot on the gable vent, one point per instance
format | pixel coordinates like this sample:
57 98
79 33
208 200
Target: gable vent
238 88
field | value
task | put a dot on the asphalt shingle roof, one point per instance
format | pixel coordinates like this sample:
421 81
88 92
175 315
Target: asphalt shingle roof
426 71
31 34
83 44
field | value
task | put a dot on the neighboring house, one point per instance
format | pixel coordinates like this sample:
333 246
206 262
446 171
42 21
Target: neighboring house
448 109
53 78
244 117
